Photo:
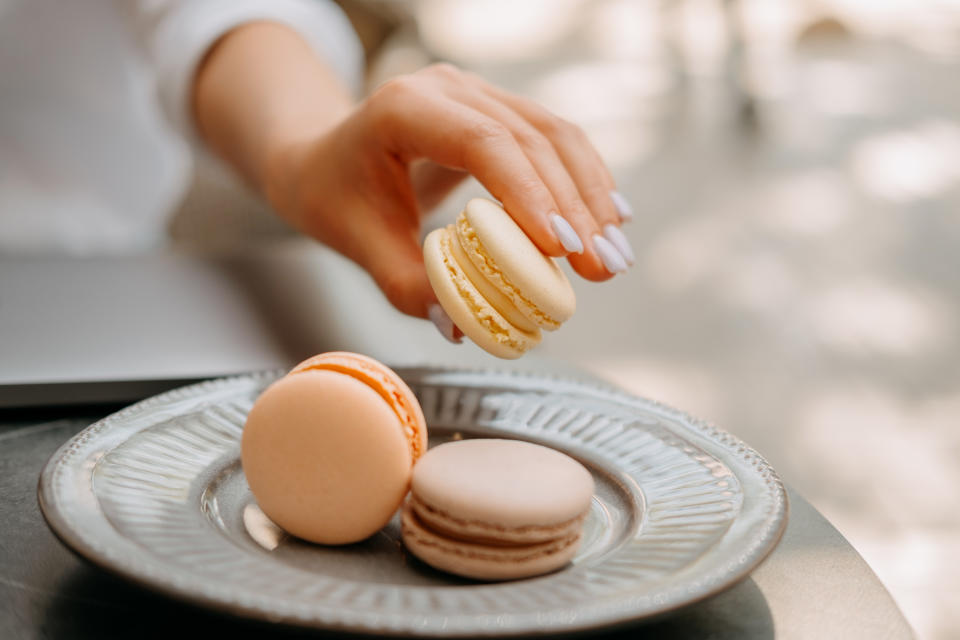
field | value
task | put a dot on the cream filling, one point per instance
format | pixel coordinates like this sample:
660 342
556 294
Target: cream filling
524 553
469 240
485 314
480 532
497 300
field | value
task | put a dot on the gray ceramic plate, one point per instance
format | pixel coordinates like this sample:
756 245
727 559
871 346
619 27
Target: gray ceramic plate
682 511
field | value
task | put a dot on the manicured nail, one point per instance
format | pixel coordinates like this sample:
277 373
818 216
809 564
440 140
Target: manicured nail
609 255
623 207
616 237
444 324
567 236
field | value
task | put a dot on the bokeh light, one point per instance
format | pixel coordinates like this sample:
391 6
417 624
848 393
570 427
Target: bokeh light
909 164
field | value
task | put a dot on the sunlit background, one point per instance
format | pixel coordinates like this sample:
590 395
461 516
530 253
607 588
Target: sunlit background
795 168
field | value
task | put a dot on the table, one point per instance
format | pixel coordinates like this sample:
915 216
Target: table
814 585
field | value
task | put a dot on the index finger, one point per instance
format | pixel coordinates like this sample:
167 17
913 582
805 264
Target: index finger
452 134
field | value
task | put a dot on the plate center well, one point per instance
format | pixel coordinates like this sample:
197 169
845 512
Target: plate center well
228 504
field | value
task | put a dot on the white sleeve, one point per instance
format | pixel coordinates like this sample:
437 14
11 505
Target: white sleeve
176 34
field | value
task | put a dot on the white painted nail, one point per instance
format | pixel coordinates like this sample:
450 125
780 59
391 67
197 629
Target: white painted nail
617 238
623 207
443 323
609 255
565 233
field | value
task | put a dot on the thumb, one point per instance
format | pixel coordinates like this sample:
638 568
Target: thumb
395 262
400 273
391 254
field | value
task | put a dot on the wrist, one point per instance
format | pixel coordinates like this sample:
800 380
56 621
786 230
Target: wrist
293 162
281 177
280 163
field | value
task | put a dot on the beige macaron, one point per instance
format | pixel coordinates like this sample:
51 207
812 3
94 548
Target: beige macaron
496 509
493 281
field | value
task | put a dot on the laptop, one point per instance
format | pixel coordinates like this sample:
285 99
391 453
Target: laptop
110 329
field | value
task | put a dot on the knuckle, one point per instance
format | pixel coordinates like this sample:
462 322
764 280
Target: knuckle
551 125
394 89
574 208
556 128
381 106
444 70
596 192
533 141
579 208
572 131
485 131
528 183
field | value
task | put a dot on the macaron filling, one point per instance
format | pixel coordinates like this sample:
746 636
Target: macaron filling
480 532
484 312
377 380
497 300
415 528
469 239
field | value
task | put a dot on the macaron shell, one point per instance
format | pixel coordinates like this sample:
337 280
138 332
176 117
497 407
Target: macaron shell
498 300
485 562
503 483
513 263
384 381
467 307
324 457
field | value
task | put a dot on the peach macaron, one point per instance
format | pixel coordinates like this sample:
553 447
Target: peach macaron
328 450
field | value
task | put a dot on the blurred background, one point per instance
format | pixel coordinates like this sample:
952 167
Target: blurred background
795 170
795 167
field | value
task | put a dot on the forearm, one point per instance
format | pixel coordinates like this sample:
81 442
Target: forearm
261 90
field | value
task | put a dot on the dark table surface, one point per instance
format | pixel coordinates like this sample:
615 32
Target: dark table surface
814 585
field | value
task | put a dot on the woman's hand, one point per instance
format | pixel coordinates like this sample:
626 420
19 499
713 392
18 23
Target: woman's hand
359 177
363 186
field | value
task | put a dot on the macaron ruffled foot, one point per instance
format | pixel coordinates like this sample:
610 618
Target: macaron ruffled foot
494 283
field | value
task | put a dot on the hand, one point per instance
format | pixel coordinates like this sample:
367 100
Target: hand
361 186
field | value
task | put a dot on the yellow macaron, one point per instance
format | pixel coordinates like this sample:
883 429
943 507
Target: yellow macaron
494 283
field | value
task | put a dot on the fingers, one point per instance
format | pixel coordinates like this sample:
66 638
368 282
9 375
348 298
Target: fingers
578 155
419 124
595 185
537 165
378 228
574 213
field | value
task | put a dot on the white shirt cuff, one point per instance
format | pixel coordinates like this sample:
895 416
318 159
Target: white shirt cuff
179 33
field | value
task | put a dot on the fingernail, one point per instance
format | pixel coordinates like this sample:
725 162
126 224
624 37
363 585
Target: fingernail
443 323
617 238
623 207
567 236
609 255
